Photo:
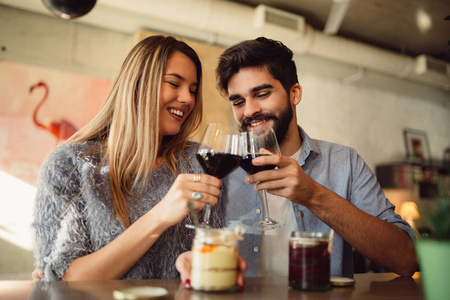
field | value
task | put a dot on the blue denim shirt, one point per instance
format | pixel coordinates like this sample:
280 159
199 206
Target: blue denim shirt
339 169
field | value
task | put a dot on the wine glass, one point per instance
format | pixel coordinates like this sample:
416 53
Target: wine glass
251 144
218 154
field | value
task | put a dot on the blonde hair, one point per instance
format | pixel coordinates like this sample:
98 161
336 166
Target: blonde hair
128 121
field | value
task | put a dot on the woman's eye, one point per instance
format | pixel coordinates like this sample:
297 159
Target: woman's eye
193 92
172 84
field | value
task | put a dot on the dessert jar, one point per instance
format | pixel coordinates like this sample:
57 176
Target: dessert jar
214 260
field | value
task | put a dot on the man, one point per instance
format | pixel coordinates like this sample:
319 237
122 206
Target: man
329 184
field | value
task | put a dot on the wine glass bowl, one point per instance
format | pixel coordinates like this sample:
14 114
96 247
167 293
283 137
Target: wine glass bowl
218 154
247 165
218 164
252 142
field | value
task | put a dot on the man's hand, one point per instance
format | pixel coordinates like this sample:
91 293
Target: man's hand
288 181
184 265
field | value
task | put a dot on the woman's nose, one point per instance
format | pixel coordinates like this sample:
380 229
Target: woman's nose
186 96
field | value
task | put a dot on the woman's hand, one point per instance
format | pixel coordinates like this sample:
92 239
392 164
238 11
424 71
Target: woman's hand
184 265
173 207
37 274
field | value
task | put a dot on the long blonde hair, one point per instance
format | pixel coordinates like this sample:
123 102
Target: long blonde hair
128 121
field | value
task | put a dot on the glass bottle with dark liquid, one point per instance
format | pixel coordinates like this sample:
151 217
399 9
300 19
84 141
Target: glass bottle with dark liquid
309 261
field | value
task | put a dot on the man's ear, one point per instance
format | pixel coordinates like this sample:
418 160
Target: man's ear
296 94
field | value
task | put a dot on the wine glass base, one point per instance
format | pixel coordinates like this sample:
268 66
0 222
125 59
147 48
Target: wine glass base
269 224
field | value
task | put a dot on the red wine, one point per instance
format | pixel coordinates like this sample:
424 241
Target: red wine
247 165
218 164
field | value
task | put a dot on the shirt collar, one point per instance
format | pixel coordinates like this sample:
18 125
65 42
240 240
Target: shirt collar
308 146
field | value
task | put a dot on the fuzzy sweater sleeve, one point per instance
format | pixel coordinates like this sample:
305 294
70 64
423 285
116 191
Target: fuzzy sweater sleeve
59 227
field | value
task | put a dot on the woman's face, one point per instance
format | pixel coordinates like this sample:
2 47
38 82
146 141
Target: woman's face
178 93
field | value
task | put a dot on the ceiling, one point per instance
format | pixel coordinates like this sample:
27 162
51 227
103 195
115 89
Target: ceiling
379 42
389 24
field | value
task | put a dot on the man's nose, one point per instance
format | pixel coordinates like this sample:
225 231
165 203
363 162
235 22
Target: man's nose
251 108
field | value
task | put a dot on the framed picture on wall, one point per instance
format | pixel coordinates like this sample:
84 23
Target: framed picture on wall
417 146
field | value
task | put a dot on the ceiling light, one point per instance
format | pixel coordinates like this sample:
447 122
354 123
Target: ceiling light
69 9
423 20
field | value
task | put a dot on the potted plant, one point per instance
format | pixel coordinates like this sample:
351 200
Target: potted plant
433 248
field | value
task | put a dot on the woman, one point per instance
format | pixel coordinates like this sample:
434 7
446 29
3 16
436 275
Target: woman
112 202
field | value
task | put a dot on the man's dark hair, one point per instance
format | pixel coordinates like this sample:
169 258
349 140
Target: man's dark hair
261 52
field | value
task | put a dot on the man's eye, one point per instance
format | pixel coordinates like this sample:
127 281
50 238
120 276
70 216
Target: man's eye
264 95
238 102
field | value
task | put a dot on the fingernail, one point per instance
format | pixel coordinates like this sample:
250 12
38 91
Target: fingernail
241 287
187 284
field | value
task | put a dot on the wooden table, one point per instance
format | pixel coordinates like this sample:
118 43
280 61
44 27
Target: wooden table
367 286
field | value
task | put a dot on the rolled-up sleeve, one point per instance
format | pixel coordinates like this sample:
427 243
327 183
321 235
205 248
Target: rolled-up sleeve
368 196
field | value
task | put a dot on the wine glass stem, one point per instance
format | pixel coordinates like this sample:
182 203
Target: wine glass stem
265 206
207 214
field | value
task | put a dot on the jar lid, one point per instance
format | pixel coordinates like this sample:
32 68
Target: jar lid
309 235
220 235
341 281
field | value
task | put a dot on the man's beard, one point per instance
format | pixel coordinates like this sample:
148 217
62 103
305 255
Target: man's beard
280 125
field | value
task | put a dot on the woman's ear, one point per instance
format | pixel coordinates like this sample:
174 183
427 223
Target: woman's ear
296 94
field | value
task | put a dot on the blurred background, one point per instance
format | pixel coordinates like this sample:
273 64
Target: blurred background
375 77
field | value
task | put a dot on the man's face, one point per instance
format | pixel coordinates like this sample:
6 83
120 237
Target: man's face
259 101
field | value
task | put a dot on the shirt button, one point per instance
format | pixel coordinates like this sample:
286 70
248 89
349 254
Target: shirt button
46 259
256 249
258 211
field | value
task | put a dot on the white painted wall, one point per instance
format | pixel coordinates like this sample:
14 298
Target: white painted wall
54 43
369 119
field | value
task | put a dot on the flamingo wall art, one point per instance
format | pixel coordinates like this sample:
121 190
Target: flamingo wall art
61 129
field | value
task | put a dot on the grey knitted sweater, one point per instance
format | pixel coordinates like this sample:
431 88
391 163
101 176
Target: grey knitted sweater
66 227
